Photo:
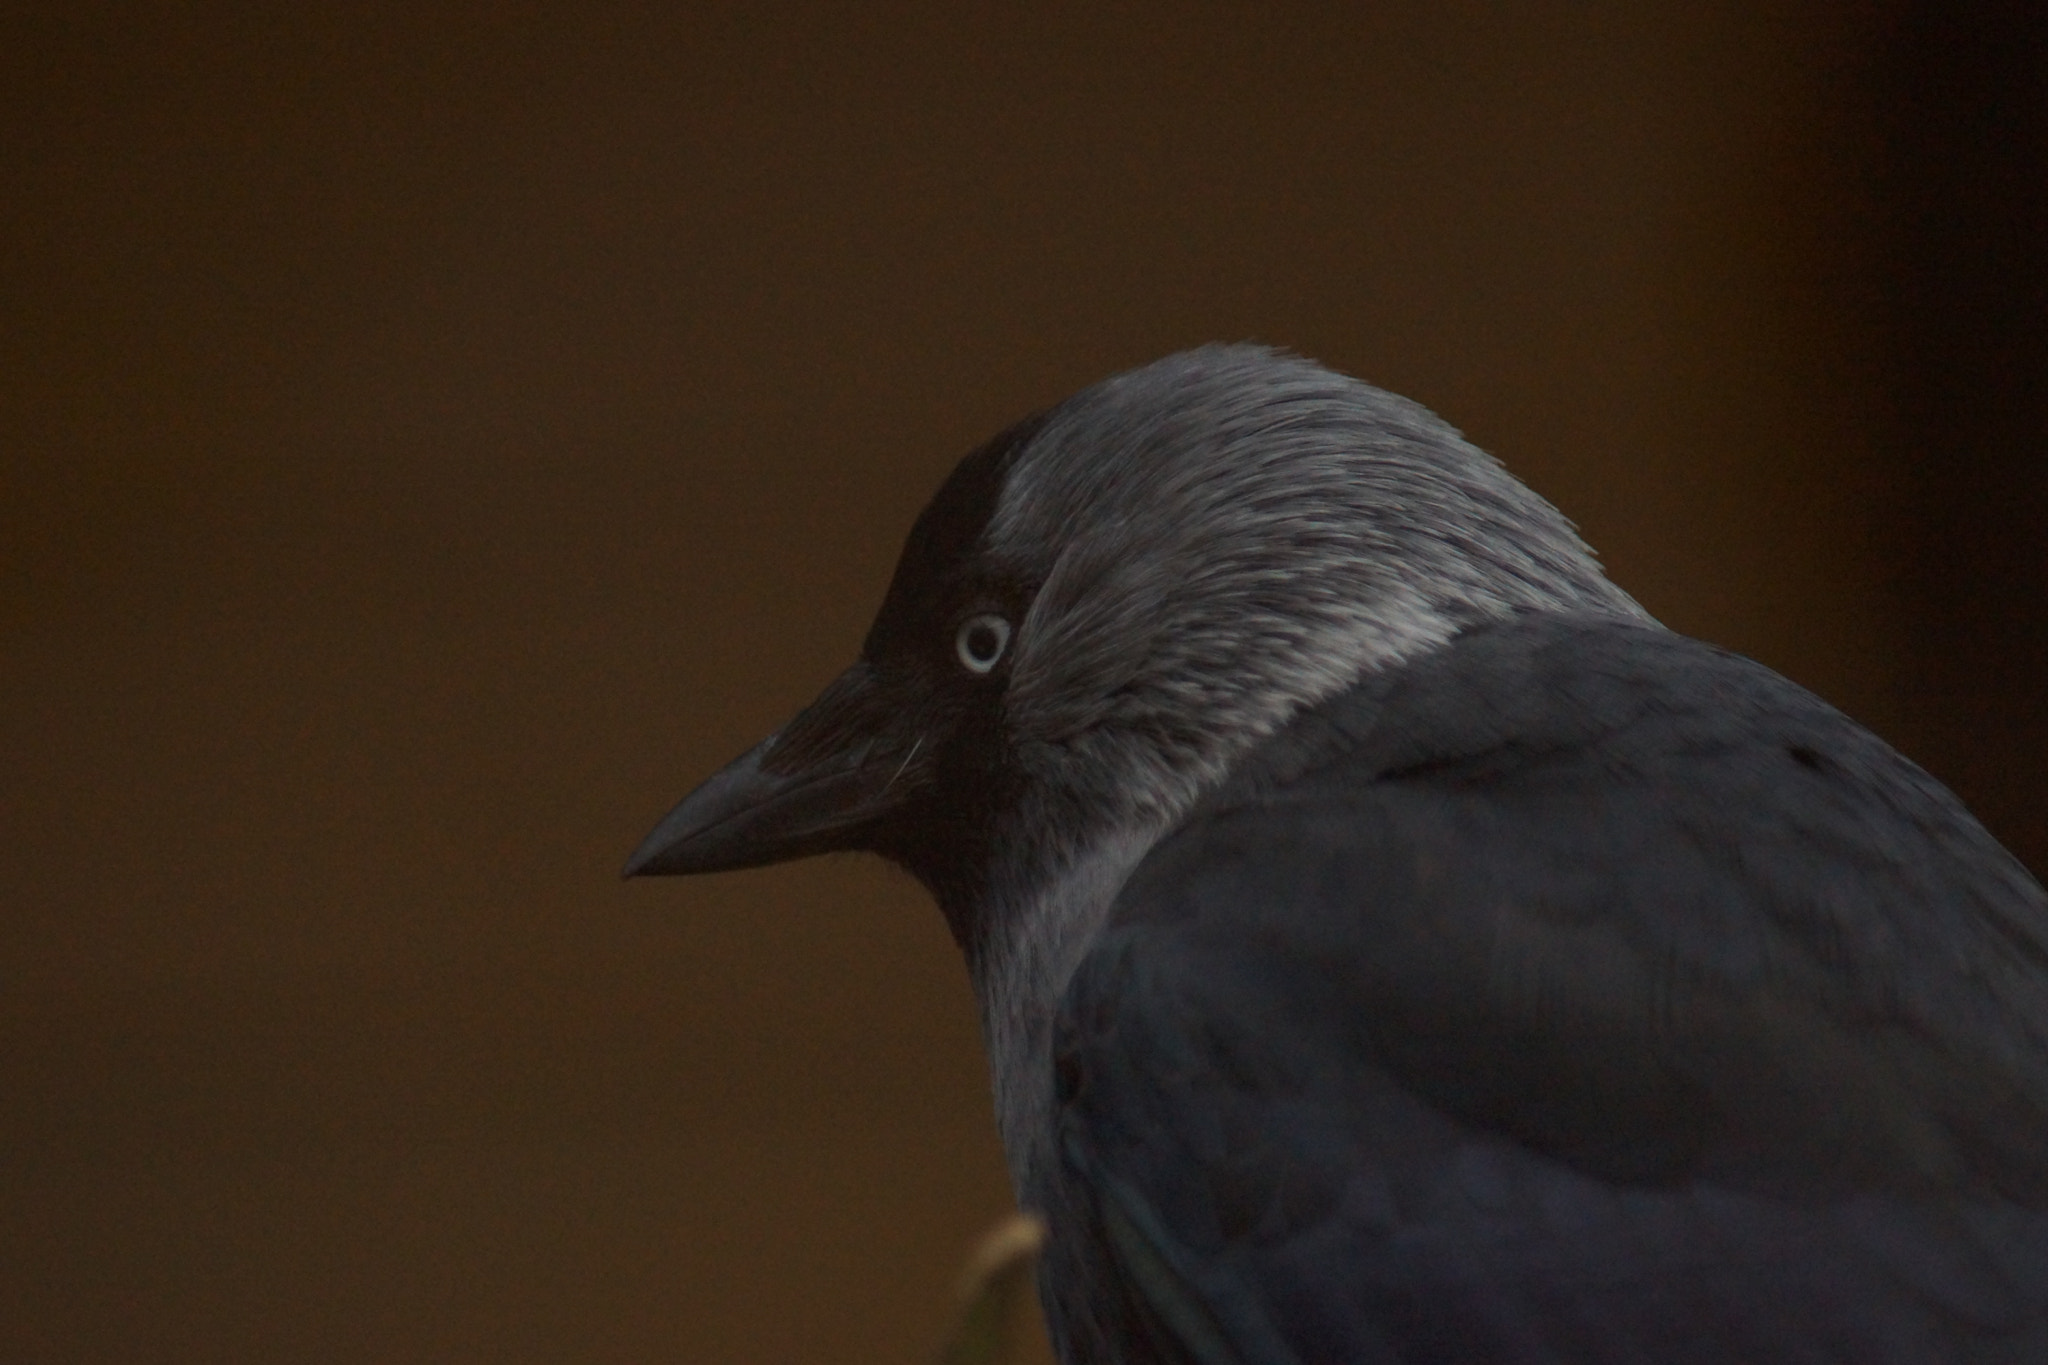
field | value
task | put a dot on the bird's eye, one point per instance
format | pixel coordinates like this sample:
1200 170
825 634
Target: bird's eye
981 642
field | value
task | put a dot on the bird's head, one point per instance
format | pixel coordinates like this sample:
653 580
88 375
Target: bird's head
1108 603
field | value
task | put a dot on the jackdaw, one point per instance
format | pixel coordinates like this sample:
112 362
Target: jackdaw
1391 944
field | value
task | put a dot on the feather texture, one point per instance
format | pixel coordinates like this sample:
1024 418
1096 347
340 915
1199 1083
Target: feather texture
1576 992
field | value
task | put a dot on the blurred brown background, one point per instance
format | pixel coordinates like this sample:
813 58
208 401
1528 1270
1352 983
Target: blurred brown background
432 437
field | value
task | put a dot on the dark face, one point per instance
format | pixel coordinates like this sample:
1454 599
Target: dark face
904 754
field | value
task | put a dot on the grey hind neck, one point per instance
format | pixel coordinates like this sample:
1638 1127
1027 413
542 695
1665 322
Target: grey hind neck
1039 939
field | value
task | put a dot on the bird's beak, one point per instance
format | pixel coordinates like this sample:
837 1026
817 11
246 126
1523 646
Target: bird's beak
818 785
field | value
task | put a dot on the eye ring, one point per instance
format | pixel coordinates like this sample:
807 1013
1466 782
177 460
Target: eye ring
980 642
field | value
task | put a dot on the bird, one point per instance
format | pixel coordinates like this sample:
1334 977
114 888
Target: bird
1391 944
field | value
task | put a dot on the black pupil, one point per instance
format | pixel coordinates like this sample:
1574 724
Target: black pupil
982 643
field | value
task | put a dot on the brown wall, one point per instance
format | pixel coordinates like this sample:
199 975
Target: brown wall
431 439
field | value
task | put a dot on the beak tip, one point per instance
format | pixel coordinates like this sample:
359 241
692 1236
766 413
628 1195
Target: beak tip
650 858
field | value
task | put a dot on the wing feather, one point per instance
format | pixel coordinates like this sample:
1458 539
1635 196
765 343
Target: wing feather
1580 994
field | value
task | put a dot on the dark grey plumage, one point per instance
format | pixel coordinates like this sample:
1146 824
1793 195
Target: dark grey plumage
1391 944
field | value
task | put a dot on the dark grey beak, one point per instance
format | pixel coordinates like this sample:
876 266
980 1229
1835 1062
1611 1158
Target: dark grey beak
818 785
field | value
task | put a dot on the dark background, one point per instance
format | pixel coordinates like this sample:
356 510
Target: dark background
432 437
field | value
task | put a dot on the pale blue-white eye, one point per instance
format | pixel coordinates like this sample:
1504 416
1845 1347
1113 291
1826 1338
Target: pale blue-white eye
981 642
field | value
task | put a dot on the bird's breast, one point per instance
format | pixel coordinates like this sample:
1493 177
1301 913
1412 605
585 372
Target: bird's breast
1038 935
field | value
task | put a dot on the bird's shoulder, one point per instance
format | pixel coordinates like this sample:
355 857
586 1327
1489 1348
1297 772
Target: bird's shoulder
1600 786
1622 910
1593 845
